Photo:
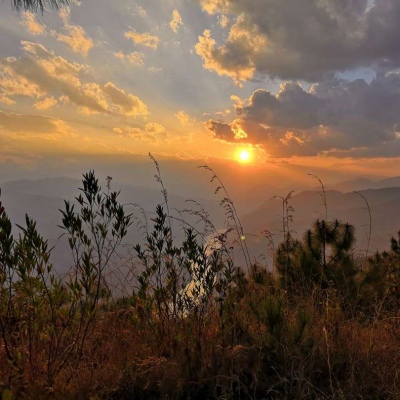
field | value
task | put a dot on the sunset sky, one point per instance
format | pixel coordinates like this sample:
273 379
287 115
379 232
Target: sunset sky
304 83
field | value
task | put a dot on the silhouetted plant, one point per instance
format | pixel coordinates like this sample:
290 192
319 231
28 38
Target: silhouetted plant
94 232
176 280
33 319
323 257
369 227
34 5
231 214
288 242
381 280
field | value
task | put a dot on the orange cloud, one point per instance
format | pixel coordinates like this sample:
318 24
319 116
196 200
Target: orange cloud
145 39
31 24
41 73
6 100
182 117
125 103
223 20
76 39
152 132
45 104
176 21
25 124
213 6
134 57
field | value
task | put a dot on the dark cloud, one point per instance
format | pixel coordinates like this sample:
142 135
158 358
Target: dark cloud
221 130
335 116
302 39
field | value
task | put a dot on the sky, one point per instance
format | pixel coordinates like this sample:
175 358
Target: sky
302 85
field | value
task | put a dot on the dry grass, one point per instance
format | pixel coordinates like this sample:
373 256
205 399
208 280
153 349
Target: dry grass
124 356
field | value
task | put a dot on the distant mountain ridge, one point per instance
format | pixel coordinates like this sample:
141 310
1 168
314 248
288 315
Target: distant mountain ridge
42 199
362 184
258 208
348 207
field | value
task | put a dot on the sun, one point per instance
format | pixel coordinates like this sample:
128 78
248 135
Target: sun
244 156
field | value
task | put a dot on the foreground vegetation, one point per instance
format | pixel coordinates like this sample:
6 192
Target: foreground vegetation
191 321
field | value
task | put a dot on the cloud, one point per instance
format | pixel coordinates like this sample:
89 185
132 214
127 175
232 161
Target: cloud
75 36
223 113
236 66
182 117
301 39
6 100
65 13
45 104
223 20
134 57
31 24
153 69
76 39
220 130
176 21
124 103
213 6
155 128
144 39
140 11
23 124
152 132
41 73
334 117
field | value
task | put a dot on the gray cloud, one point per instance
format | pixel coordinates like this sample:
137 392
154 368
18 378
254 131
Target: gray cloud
302 39
335 117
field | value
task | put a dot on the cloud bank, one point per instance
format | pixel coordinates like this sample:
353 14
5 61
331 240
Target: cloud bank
301 39
40 73
336 117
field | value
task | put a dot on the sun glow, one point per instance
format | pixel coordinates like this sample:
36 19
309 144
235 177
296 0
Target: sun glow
244 156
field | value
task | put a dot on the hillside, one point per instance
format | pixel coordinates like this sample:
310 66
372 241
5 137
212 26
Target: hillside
347 207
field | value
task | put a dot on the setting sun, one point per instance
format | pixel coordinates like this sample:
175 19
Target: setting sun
244 156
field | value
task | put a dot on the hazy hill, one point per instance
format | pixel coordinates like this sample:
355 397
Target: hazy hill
247 199
347 207
362 184
42 199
